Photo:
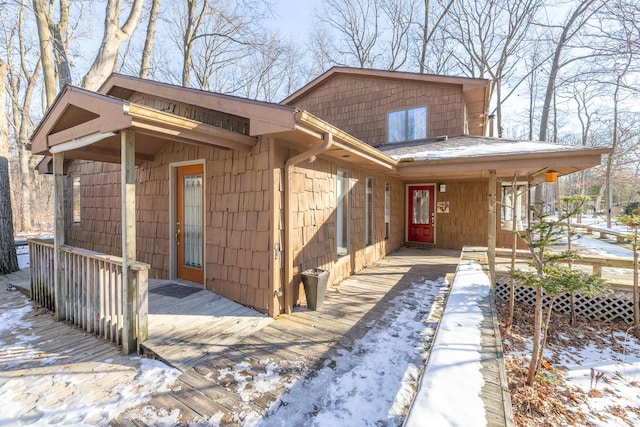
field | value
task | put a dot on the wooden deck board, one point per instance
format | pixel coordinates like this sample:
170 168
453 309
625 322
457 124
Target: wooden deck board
205 335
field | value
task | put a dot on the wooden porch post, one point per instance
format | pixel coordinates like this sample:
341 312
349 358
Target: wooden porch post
128 239
60 292
491 240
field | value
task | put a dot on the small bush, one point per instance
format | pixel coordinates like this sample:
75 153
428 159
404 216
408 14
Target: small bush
632 207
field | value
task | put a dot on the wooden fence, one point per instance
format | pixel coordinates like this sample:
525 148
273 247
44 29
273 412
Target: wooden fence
93 288
612 306
615 305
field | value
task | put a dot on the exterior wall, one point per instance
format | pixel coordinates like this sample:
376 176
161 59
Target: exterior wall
359 105
100 228
237 216
313 187
466 222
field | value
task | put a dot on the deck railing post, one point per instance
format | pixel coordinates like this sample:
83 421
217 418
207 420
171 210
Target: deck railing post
142 306
58 261
128 239
492 225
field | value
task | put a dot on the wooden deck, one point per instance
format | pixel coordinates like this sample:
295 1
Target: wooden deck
186 323
298 343
211 340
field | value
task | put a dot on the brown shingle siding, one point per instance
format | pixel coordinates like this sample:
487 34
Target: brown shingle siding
359 105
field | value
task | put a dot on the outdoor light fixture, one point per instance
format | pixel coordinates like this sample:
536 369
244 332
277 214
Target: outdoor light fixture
551 176
443 188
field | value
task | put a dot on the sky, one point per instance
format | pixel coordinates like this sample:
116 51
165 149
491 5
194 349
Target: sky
293 16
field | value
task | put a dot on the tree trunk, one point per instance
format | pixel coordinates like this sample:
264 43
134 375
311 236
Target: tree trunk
537 337
46 52
8 257
4 124
148 41
545 333
113 37
611 156
636 293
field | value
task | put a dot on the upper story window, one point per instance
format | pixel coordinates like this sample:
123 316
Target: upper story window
407 125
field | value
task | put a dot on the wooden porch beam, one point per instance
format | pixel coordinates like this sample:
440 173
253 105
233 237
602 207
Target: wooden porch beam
102 152
60 294
492 225
176 126
128 239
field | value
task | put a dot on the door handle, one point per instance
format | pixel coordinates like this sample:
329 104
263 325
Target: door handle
177 233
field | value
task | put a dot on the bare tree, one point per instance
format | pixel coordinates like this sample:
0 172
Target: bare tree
113 37
23 78
434 13
149 39
576 19
8 258
400 14
214 36
356 24
55 65
493 34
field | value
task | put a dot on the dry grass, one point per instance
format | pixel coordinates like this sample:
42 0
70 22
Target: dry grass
549 401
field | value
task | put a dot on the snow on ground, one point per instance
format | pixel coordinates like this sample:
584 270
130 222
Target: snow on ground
38 388
610 379
449 392
590 246
602 378
22 252
372 383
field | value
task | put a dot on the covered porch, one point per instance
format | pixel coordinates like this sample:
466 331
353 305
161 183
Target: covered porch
107 295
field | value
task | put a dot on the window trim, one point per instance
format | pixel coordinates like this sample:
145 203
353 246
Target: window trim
521 201
343 176
369 228
76 200
387 210
406 124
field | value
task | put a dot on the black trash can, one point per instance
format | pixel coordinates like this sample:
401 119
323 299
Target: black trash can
315 285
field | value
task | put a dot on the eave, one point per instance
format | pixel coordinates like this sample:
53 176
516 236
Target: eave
85 125
527 166
265 117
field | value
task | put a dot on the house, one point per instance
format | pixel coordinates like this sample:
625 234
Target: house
241 196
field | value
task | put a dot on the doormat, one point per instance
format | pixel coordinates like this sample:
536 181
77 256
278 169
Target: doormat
174 290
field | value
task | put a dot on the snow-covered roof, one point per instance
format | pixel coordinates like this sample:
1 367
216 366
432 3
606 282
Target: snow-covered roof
466 146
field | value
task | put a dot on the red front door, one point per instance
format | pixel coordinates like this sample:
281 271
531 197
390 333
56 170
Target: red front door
421 213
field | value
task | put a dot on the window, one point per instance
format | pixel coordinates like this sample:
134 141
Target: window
369 211
407 125
387 210
342 213
75 201
511 202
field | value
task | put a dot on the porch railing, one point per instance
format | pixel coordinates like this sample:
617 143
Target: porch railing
93 287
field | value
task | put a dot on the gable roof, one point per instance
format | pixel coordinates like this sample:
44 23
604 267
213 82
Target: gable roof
467 83
476 91
85 125
265 117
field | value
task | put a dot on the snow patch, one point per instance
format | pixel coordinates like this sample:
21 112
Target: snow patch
449 393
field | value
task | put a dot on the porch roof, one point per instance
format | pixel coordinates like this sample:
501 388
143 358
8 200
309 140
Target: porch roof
85 125
471 157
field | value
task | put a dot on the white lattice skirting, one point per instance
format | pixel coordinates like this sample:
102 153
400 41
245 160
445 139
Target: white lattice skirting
612 307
